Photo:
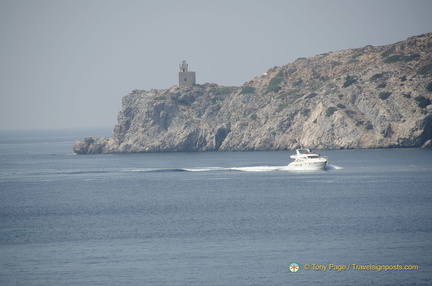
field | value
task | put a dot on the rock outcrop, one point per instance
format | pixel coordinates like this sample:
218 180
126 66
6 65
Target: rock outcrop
371 97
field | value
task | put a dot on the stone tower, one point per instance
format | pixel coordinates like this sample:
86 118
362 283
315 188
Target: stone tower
186 78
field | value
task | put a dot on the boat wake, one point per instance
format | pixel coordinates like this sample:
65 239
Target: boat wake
333 167
261 169
239 169
211 169
192 169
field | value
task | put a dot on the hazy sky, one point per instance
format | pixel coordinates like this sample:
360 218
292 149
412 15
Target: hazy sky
68 63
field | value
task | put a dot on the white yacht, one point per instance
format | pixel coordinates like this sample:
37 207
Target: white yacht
305 159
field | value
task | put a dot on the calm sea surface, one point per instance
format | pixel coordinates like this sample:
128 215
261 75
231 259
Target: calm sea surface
210 218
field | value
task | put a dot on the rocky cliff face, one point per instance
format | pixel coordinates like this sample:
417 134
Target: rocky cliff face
370 97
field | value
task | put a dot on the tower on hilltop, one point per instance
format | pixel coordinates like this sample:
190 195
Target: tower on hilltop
186 78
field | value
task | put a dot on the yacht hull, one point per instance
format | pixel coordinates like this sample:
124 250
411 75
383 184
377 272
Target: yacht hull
308 166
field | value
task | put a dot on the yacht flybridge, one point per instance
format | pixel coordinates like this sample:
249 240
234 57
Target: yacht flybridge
305 159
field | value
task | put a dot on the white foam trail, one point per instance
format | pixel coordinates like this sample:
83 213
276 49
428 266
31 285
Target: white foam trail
257 169
334 167
241 169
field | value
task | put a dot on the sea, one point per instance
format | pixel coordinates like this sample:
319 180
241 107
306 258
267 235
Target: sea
210 218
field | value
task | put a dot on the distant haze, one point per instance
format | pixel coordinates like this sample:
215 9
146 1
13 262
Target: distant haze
67 64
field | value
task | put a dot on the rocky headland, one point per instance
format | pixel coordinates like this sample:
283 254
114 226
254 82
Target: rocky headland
371 97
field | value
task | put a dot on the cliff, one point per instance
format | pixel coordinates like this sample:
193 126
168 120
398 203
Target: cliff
371 97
